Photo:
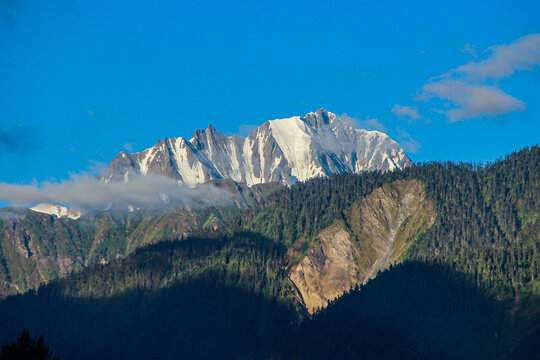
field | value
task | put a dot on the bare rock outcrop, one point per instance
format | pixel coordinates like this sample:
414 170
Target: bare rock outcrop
379 230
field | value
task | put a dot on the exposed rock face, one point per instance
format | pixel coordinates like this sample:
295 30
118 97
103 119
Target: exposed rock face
381 227
328 269
281 150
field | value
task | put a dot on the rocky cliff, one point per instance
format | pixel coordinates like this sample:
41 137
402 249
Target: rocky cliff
379 229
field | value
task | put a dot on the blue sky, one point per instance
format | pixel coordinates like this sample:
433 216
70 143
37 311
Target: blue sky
82 80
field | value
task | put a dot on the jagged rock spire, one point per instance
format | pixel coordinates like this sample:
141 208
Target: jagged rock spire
281 150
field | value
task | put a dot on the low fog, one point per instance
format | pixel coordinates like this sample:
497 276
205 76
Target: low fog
85 192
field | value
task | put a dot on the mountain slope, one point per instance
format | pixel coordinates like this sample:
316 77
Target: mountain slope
36 247
412 311
484 221
165 301
281 150
466 285
383 226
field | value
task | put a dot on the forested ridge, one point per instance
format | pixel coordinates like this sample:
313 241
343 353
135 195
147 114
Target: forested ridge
412 311
487 216
173 299
467 287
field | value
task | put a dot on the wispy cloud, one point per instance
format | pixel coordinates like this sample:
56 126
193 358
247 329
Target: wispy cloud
245 130
372 124
366 123
84 192
129 146
473 88
11 214
407 142
523 54
409 112
19 139
471 50
472 100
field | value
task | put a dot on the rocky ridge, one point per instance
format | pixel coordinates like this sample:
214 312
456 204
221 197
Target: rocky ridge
281 150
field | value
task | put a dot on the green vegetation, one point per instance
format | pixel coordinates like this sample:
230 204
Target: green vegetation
467 286
412 311
199 298
486 226
479 230
36 248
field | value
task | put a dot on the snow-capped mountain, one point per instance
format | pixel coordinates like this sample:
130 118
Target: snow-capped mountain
281 150
57 210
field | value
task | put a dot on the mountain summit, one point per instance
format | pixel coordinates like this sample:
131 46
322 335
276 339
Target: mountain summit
281 150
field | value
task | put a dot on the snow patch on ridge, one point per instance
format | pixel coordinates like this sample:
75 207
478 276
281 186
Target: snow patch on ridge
294 139
56 210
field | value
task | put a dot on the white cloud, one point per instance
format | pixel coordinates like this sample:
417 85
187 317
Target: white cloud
407 142
367 123
406 111
472 88
84 192
470 100
349 120
129 146
372 124
522 54
245 130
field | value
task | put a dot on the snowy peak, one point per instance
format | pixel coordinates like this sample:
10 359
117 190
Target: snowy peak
319 118
56 210
280 150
